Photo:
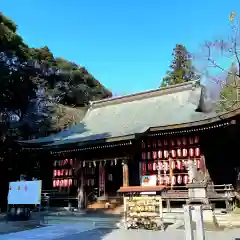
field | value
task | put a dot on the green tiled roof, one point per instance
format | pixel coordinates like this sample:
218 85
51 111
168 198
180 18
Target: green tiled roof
134 114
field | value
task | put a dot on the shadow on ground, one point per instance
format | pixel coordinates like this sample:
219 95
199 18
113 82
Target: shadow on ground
95 234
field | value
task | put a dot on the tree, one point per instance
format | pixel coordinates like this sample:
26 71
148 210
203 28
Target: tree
182 69
230 93
24 72
225 79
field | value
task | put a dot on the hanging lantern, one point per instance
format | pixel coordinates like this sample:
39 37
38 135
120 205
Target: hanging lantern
143 155
94 163
191 152
167 180
160 180
70 182
179 179
57 183
173 165
143 144
184 141
173 180
54 172
196 139
89 164
154 155
179 164
111 162
159 143
165 154
154 143
173 153
154 166
198 162
159 154
115 161
190 140
184 152
165 142
179 152
165 166
55 163
179 142
185 179
54 183
60 183
160 165
197 152
58 173
149 155
149 166
83 164
172 142
70 172
65 182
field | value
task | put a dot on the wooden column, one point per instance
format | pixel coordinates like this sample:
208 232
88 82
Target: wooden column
125 173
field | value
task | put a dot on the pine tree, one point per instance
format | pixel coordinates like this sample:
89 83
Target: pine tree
181 67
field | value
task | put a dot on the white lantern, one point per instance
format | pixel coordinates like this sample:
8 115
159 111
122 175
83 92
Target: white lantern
179 179
185 152
179 152
185 179
173 180
173 165
197 152
165 154
159 154
191 152
173 153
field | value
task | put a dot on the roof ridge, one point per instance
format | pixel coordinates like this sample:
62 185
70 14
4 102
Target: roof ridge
145 94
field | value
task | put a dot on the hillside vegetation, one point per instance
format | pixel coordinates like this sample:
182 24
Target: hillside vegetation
34 82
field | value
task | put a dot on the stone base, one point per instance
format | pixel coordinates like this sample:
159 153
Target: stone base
208 216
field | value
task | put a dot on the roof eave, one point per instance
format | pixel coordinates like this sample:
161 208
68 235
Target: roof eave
197 123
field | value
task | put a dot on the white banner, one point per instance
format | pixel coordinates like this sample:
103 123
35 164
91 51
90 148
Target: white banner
25 192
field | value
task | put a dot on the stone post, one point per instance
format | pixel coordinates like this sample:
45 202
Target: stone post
200 233
188 222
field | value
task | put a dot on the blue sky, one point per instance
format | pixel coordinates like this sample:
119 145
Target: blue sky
126 44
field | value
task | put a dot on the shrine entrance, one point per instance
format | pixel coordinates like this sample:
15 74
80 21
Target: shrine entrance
113 178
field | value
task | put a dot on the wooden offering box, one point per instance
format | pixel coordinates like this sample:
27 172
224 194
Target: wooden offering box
142 210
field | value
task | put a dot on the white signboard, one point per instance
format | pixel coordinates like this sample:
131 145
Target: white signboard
149 180
25 192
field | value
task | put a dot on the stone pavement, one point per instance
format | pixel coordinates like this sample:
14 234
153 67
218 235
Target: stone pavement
90 232
57 231
120 234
